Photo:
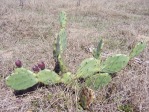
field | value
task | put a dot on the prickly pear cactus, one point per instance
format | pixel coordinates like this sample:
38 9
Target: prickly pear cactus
114 63
60 43
48 77
21 79
97 52
88 67
137 49
63 19
67 78
98 80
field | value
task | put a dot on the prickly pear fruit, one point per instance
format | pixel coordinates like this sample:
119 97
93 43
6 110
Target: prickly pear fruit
63 19
88 67
21 79
137 49
98 80
35 69
41 65
97 52
18 63
114 63
48 77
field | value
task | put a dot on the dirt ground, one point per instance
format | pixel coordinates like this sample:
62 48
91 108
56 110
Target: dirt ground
27 33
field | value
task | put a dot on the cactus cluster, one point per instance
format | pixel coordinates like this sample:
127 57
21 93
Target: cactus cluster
91 69
94 71
98 72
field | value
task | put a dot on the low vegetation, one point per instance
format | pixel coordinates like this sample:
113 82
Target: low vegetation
98 60
95 72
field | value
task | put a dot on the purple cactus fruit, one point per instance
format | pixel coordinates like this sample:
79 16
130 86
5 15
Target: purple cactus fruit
35 68
18 63
41 65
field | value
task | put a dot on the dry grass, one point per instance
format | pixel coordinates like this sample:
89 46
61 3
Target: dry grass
28 33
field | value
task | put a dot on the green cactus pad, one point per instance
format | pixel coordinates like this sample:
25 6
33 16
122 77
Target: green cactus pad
114 63
48 77
60 43
88 67
63 68
137 49
21 79
98 80
67 78
63 19
97 52
56 50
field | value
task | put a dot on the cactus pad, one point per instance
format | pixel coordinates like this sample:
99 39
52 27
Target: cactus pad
137 49
88 67
21 79
114 63
63 68
67 78
98 80
63 19
48 77
97 52
60 43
